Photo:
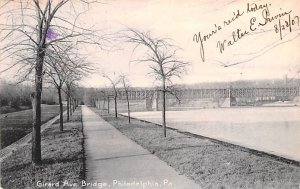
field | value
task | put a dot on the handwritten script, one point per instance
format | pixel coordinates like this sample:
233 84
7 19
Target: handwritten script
279 22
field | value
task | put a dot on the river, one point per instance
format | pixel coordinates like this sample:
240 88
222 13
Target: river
275 130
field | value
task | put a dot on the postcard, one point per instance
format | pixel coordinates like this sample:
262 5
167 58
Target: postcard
148 94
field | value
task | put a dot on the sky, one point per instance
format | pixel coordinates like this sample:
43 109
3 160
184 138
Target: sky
267 52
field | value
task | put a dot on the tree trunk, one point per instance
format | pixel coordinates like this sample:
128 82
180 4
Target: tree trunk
116 108
128 107
68 108
108 104
36 129
73 101
61 118
164 108
36 108
71 113
103 105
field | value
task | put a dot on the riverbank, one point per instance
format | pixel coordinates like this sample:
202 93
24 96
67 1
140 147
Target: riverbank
210 164
62 156
18 124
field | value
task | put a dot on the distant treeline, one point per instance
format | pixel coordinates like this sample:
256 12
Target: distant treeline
17 97
246 83
222 84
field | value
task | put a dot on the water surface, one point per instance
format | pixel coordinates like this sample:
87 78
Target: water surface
275 130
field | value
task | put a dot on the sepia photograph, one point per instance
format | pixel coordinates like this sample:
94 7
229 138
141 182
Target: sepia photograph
149 94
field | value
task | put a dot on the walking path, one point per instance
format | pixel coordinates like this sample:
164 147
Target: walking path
114 161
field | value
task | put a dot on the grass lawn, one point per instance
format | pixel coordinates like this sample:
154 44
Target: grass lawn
210 164
16 125
8 109
62 154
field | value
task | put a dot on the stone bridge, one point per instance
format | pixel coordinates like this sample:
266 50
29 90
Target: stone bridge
221 97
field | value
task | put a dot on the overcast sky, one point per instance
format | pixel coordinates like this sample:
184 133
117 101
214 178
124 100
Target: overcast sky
265 53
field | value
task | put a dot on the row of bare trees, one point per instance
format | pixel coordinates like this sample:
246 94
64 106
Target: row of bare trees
43 43
162 60
63 68
36 35
164 65
116 81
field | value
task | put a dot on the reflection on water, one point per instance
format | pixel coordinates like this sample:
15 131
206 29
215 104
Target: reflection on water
274 130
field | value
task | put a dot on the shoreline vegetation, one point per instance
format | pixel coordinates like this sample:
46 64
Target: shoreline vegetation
62 156
16 125
208 163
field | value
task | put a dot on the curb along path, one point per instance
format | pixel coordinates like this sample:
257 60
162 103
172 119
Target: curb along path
114 161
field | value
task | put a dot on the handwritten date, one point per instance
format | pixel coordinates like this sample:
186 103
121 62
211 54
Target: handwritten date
286 25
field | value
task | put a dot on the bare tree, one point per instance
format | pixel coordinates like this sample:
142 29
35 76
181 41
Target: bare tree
32 26
62 65
163 63
114 81
70 88
57 74
125 83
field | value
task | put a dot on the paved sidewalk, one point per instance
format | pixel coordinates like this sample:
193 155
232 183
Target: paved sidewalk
114 161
